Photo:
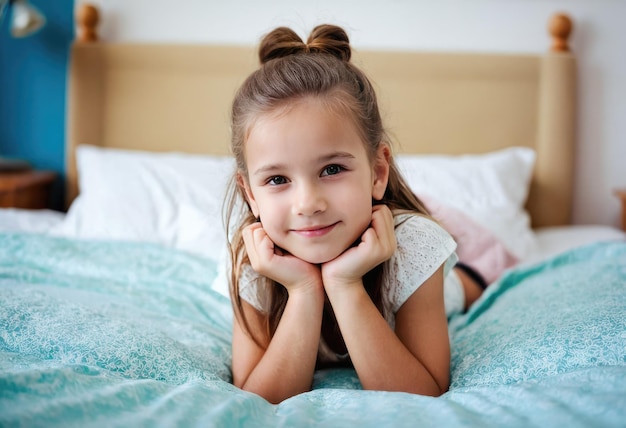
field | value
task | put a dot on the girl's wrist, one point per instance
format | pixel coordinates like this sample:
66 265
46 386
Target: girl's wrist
307 299
309 288
337 287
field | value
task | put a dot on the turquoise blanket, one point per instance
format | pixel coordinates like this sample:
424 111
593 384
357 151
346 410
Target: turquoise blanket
127 334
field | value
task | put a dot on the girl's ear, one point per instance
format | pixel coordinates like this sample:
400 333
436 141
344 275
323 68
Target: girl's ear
243 183
381 171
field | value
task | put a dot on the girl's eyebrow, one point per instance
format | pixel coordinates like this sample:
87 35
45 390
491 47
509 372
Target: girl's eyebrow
335 155
265 169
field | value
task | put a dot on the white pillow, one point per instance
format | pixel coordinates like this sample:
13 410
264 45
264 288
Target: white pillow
175 199
490 188
172 199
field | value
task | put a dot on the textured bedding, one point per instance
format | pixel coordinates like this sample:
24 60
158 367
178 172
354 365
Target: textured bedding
130 334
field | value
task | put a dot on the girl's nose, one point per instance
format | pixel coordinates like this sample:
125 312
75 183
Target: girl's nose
309 200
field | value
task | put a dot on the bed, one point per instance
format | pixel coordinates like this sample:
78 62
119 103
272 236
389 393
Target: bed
116 314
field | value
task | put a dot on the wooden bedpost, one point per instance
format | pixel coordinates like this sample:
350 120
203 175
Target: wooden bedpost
87 18
560 27
556 133
83 113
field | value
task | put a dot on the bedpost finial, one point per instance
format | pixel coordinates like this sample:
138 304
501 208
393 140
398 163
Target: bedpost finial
560 27
87 17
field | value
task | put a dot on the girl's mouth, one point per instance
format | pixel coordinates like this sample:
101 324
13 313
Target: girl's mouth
315 231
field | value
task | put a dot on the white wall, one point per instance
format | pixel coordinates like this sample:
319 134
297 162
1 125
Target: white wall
468 25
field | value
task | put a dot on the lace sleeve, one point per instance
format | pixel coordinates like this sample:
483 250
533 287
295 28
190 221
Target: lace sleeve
423 246
249 287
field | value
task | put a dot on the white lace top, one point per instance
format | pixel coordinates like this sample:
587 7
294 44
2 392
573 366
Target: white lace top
423 246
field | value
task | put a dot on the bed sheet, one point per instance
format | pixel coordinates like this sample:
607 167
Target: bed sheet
31 221
131 334
551 241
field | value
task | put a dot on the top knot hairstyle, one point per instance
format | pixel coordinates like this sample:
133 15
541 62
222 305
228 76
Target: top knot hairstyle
325 38
291 70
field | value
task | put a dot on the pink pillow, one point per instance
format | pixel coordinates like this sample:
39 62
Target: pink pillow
476 246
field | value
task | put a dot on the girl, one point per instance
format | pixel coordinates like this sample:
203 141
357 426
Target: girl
335 262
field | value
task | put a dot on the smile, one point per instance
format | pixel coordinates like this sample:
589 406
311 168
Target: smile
315 231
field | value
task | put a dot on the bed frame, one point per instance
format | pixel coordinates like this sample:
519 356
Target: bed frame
173 97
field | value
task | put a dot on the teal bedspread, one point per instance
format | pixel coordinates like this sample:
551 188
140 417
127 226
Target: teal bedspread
127 334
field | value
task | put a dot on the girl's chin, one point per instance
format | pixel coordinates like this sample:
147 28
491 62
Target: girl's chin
317 258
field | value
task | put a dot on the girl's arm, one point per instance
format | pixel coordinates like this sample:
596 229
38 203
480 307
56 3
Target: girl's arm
283 366
415 358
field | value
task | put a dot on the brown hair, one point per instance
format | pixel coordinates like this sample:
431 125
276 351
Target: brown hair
292 70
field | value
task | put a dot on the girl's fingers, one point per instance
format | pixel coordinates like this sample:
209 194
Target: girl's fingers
377 245
383 227
269 260
258 245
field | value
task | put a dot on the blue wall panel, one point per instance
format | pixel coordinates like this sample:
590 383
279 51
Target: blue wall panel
33 74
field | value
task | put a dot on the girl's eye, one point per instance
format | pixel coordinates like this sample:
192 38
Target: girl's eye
331 170
277 180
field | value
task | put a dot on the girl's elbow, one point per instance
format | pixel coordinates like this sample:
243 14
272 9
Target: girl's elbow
266 395
430 391
440 391
442 386
430 388
270 393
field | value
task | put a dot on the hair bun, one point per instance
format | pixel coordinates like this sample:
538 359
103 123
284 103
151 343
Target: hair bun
325 38
330 39
280 42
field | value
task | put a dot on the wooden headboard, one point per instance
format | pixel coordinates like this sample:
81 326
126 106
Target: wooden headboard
173 97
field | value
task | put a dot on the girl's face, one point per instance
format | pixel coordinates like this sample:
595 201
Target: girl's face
310 180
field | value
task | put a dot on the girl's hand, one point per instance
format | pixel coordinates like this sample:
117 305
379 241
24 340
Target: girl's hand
269 260
377 245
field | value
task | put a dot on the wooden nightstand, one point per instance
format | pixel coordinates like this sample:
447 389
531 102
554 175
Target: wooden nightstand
621 194
26 189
